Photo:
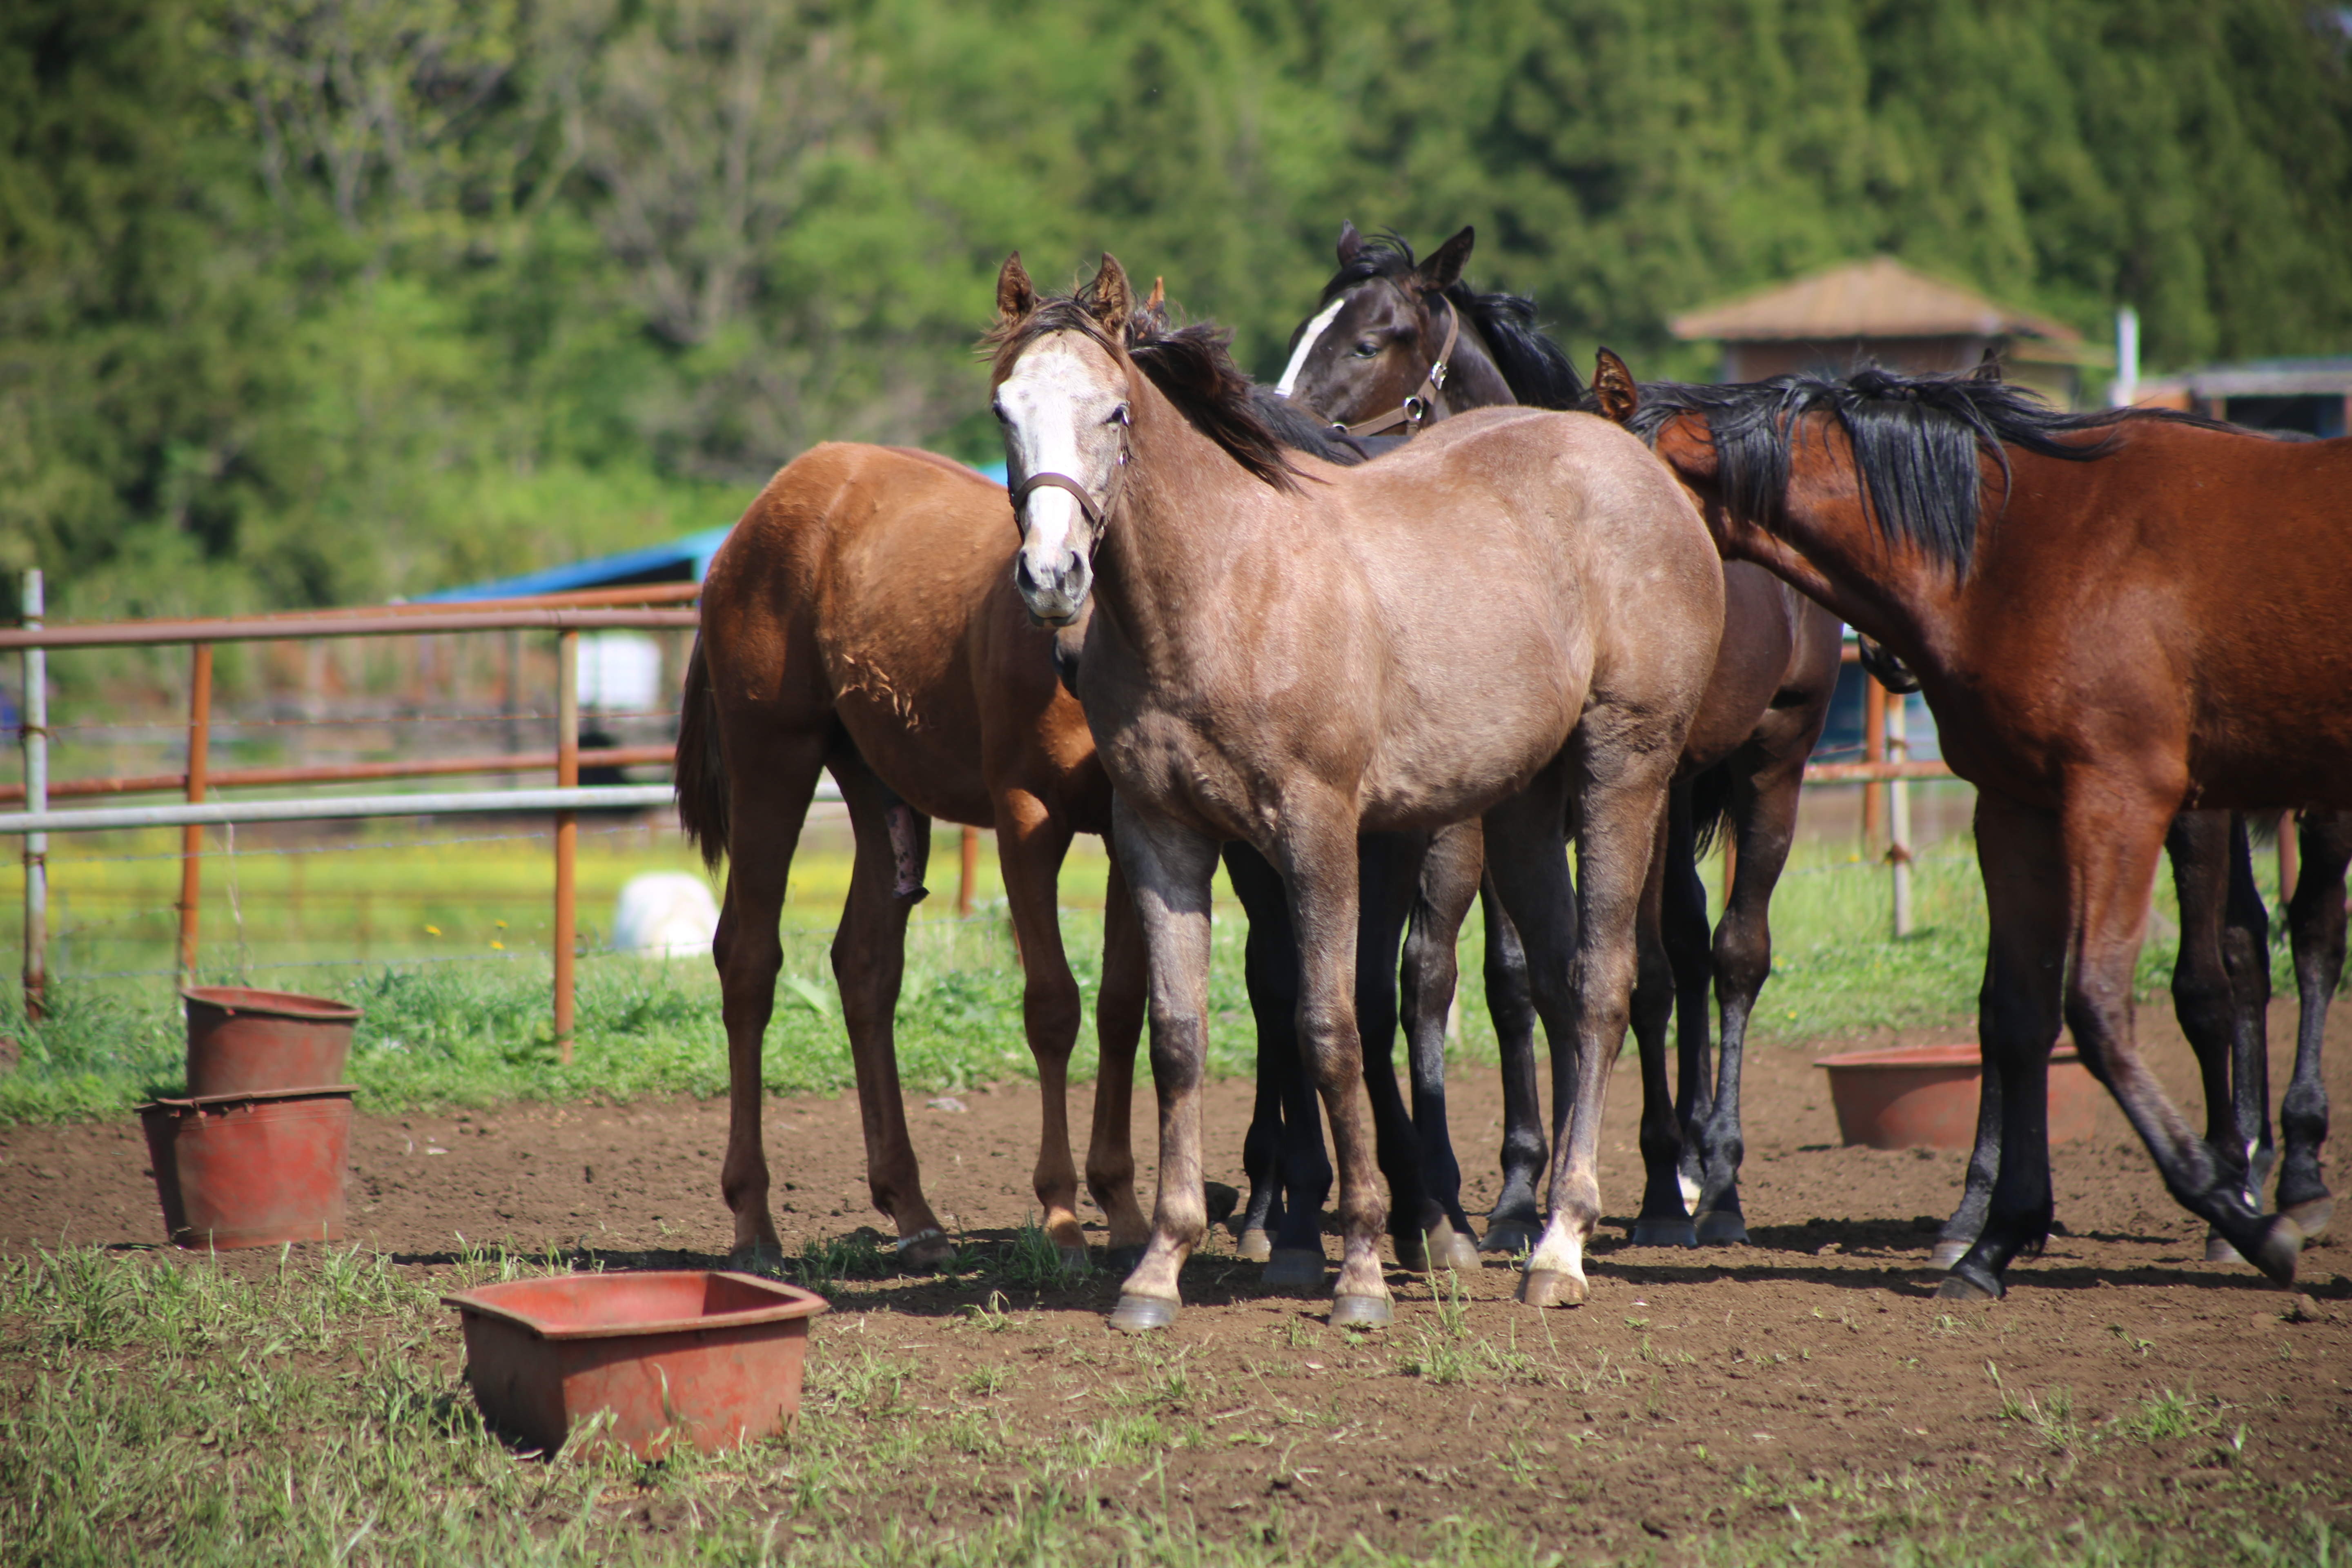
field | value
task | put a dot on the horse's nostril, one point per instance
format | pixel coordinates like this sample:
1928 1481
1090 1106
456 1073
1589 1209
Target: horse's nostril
1022 577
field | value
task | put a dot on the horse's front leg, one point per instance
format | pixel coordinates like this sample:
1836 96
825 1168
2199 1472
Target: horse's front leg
1286 1134
1664 1221
1031 841
1168 867
1516 1222
2315 923
1118 1023
1450 875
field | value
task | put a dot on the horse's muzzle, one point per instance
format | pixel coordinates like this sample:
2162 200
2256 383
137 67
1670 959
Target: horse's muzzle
1056 596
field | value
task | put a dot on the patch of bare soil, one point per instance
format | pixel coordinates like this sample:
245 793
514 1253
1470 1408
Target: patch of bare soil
1698 1392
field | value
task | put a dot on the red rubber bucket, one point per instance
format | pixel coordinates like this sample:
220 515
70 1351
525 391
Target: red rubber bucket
241 1040
1925 1096
710 1357
251 1170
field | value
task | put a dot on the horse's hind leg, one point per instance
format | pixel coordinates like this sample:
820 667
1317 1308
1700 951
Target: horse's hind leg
1664 1221
2315 922
870 960
1450 875
1118 1023
1293 1254
2204 996
771 782
1031 841
1516 1222
1389 882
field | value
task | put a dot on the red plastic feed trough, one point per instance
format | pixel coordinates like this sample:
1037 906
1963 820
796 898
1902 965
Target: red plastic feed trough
1925 1096
712 1357
251 1170
241 1040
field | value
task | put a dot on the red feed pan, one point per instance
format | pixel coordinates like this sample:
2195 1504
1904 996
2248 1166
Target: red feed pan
714 1358
251 1170
1925 1096
240 1039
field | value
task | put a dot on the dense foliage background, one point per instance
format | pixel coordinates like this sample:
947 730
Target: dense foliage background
304 301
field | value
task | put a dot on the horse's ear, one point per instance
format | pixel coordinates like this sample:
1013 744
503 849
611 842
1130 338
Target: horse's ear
1158 300
1988 368
1015 298
1109 299
1613 392
1444 264
1351 244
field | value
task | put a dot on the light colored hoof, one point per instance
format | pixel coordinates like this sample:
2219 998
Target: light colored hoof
1510 1238
1944 1254
2311 1217
2218 1250
1718 1228
1293 1268
924 1252
1551 1288
1449 1248
1362 1313
1255 1246
1665 1233
1142 1314
2282 1246
760 1257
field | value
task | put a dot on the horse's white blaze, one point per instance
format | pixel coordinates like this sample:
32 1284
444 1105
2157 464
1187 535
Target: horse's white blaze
1306 341
1055 402
1561 1250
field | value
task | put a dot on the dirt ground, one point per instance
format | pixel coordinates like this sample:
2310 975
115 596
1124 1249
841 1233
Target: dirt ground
1696 1391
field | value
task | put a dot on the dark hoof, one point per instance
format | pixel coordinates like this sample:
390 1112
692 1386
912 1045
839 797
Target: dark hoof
1719 1228
2311 1217
1293 1268
1360 1312
1510 1236
2218 1250
1944 1254
928 1251
1665 1233
2281 1246
1076 1260
1449 1248
763 1257
1551 1288
1221 1201
1411 1252
1256 1247
1122 1260
1967 1283
1142 1314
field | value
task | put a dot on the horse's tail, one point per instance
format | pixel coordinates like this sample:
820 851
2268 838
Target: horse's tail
701 768
1710 805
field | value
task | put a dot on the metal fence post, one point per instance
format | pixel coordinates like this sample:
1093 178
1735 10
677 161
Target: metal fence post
191 838
567 829
1898 832
34 732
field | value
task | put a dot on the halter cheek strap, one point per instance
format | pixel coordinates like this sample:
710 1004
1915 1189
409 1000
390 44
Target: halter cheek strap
1415 409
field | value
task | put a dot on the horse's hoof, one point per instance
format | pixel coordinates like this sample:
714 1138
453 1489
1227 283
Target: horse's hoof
1665 1233
1254 1246
1362 1313
924 1252
1077 1260
760 1257
2311 1217
2281 1246
1411 1252
1142 1314
1449 1248
1551 1288
1719 1228
1509 1237
2218 1250
1967 1282
1221 1201
1123 1259
1944 1254
1293 1268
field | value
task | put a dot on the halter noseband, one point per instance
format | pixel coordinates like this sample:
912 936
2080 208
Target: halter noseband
1093 513
1414 409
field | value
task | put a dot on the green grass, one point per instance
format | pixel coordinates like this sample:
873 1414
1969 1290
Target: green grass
452 1021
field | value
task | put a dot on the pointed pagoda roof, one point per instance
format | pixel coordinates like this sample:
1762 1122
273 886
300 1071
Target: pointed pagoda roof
1880 298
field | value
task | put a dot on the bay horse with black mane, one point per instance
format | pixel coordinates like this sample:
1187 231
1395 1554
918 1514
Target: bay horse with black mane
1512 620
2114 617
1401 345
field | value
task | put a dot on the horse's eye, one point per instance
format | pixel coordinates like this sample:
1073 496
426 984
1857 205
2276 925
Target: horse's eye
1368 348
998 409
1117 416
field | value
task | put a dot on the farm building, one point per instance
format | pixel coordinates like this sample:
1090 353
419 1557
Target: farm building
2310 395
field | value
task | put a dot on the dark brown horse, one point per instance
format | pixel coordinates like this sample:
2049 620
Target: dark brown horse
2114 617
860 619
1513 618
1410 342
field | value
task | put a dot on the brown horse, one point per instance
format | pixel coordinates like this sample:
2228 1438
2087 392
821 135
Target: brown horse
2114 617
1397 340
1511 618
859 619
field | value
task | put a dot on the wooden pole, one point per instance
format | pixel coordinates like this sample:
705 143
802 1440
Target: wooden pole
34 732
191 838
2289 871
1898 833
968 871
1873 750
567 830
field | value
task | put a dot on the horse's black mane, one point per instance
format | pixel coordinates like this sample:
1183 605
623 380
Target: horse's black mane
1915 442
1538 371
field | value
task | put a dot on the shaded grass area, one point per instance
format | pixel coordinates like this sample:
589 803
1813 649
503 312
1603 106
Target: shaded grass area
478 1032
177 1410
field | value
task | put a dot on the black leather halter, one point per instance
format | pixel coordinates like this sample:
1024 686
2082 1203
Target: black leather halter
1414 410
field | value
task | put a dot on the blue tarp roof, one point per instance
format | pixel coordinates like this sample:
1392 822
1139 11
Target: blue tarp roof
682 559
